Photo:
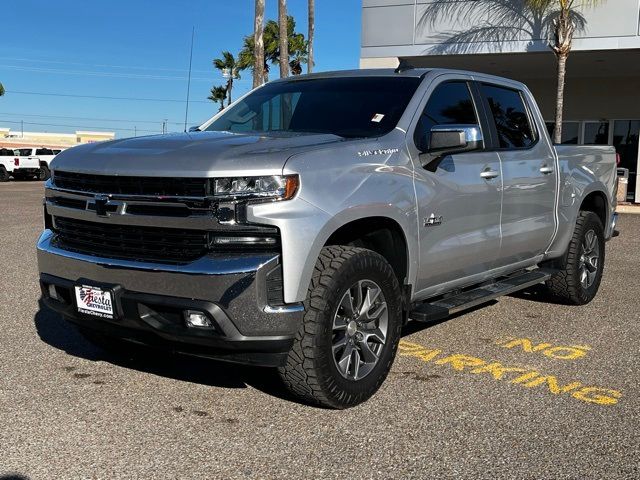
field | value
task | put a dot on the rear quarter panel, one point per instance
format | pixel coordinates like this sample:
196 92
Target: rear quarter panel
583 170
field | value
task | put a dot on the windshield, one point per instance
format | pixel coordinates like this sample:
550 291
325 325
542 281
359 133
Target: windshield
348 107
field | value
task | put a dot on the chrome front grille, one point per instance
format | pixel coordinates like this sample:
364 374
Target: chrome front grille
153 220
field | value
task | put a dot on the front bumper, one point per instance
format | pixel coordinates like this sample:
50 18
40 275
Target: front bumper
150 299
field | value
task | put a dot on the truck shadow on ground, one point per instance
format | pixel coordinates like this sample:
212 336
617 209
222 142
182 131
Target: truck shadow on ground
539 294
58 333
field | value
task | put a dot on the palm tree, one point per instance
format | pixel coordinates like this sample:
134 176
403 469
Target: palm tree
258 46
563 28
503 21
283 25
297 47
1 90
312 27
218 95
230 67
298 53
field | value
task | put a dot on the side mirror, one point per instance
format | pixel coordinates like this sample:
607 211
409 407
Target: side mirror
194 129
448 139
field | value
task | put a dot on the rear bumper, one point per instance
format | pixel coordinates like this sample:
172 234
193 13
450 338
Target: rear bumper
150 300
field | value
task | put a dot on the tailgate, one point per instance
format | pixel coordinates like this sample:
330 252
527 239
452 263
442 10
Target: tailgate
27 162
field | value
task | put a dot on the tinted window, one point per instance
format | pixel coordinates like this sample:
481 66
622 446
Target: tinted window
44 151
449 104
510 116
24 152
348 107
5 152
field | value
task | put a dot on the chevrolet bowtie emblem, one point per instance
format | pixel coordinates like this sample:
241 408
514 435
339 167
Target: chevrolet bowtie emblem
101 202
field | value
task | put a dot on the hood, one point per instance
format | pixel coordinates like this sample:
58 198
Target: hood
194 154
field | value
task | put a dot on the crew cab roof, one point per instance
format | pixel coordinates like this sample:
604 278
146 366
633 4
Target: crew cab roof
370 72
407 72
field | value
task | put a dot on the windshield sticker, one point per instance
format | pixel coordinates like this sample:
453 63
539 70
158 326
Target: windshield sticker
377 117
384 151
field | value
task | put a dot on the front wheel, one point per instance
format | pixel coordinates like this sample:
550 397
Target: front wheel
4 175
579 278
349 335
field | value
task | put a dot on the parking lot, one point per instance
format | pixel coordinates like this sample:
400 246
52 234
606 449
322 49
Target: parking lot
515 389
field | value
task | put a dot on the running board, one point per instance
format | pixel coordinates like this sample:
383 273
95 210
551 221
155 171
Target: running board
442 308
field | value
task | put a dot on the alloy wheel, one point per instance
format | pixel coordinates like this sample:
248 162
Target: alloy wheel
589 259
360 327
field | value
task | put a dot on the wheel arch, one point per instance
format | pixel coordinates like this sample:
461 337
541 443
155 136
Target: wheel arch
596 202
380 234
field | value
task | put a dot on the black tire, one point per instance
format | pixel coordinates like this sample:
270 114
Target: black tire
311 371
568 283
44 173
4 175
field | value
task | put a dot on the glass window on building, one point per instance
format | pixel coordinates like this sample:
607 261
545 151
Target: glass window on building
625 139
570 132
596 133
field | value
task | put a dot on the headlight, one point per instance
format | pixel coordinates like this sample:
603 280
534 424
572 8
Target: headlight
276 187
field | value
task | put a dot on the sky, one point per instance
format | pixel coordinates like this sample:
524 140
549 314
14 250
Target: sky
74 51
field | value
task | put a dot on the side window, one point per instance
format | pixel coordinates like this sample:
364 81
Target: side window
510 116
449 104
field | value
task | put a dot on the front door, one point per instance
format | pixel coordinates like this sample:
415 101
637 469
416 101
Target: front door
528 176
458 197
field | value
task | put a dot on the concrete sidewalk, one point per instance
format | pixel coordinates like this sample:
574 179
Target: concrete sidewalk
628 208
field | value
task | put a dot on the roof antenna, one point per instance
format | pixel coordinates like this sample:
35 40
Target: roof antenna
404 65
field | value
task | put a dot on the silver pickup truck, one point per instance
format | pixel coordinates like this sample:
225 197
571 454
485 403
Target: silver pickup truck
303 226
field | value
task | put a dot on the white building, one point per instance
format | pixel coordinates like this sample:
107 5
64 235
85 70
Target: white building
602 98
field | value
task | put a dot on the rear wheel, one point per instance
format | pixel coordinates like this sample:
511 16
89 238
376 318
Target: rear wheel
348 339
4 175
579 279
44 173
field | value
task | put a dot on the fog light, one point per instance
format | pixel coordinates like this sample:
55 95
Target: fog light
53 293
197 319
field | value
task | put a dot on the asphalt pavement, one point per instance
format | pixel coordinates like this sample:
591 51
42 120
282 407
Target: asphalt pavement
519 388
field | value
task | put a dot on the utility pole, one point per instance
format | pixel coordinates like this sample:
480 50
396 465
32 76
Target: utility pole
21 128
186 108
164 126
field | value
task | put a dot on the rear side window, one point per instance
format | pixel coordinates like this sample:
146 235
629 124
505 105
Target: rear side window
510 116
44 151
24 152
449 104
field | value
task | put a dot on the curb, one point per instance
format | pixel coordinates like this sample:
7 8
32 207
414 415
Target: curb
631 208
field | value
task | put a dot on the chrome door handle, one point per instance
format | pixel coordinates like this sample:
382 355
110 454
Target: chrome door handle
489 174
546 170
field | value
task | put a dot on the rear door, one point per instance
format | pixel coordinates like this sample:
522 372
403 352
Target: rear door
458 202
528 175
